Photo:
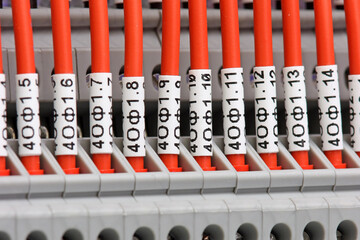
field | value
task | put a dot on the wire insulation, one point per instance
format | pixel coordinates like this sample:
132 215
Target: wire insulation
170 54
100 61
325 51
25 59
264 51
198 34
134 54
199 56
231 59
60 20
293 57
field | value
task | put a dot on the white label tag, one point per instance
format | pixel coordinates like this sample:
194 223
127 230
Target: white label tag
169 115
134 116
65 124
296 109
200 112
3 124
329 108
101 125
28 120
354 87
266 110
233 111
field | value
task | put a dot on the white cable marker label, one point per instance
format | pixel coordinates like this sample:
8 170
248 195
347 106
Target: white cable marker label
200 112
134 116
266 110
3 121
118 1
233 111
354 86
101 125
28 120
296 109
65 122
247 1
169 115
329 107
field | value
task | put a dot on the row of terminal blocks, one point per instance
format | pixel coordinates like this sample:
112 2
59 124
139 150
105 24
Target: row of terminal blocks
292 203
41 22
323 203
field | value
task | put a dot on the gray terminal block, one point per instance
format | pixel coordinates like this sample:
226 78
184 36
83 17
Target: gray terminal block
252 184
47 186
22 219
185 185
344 206
312 218
347 180
279 219
287 182
279 214
17 185
151 185
14 190
70 220
312 209
176 220
33 221
245 211
80 187
343 217
121 183
211 219
141 220
106 221
319 181
221 182
7 222
245 218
